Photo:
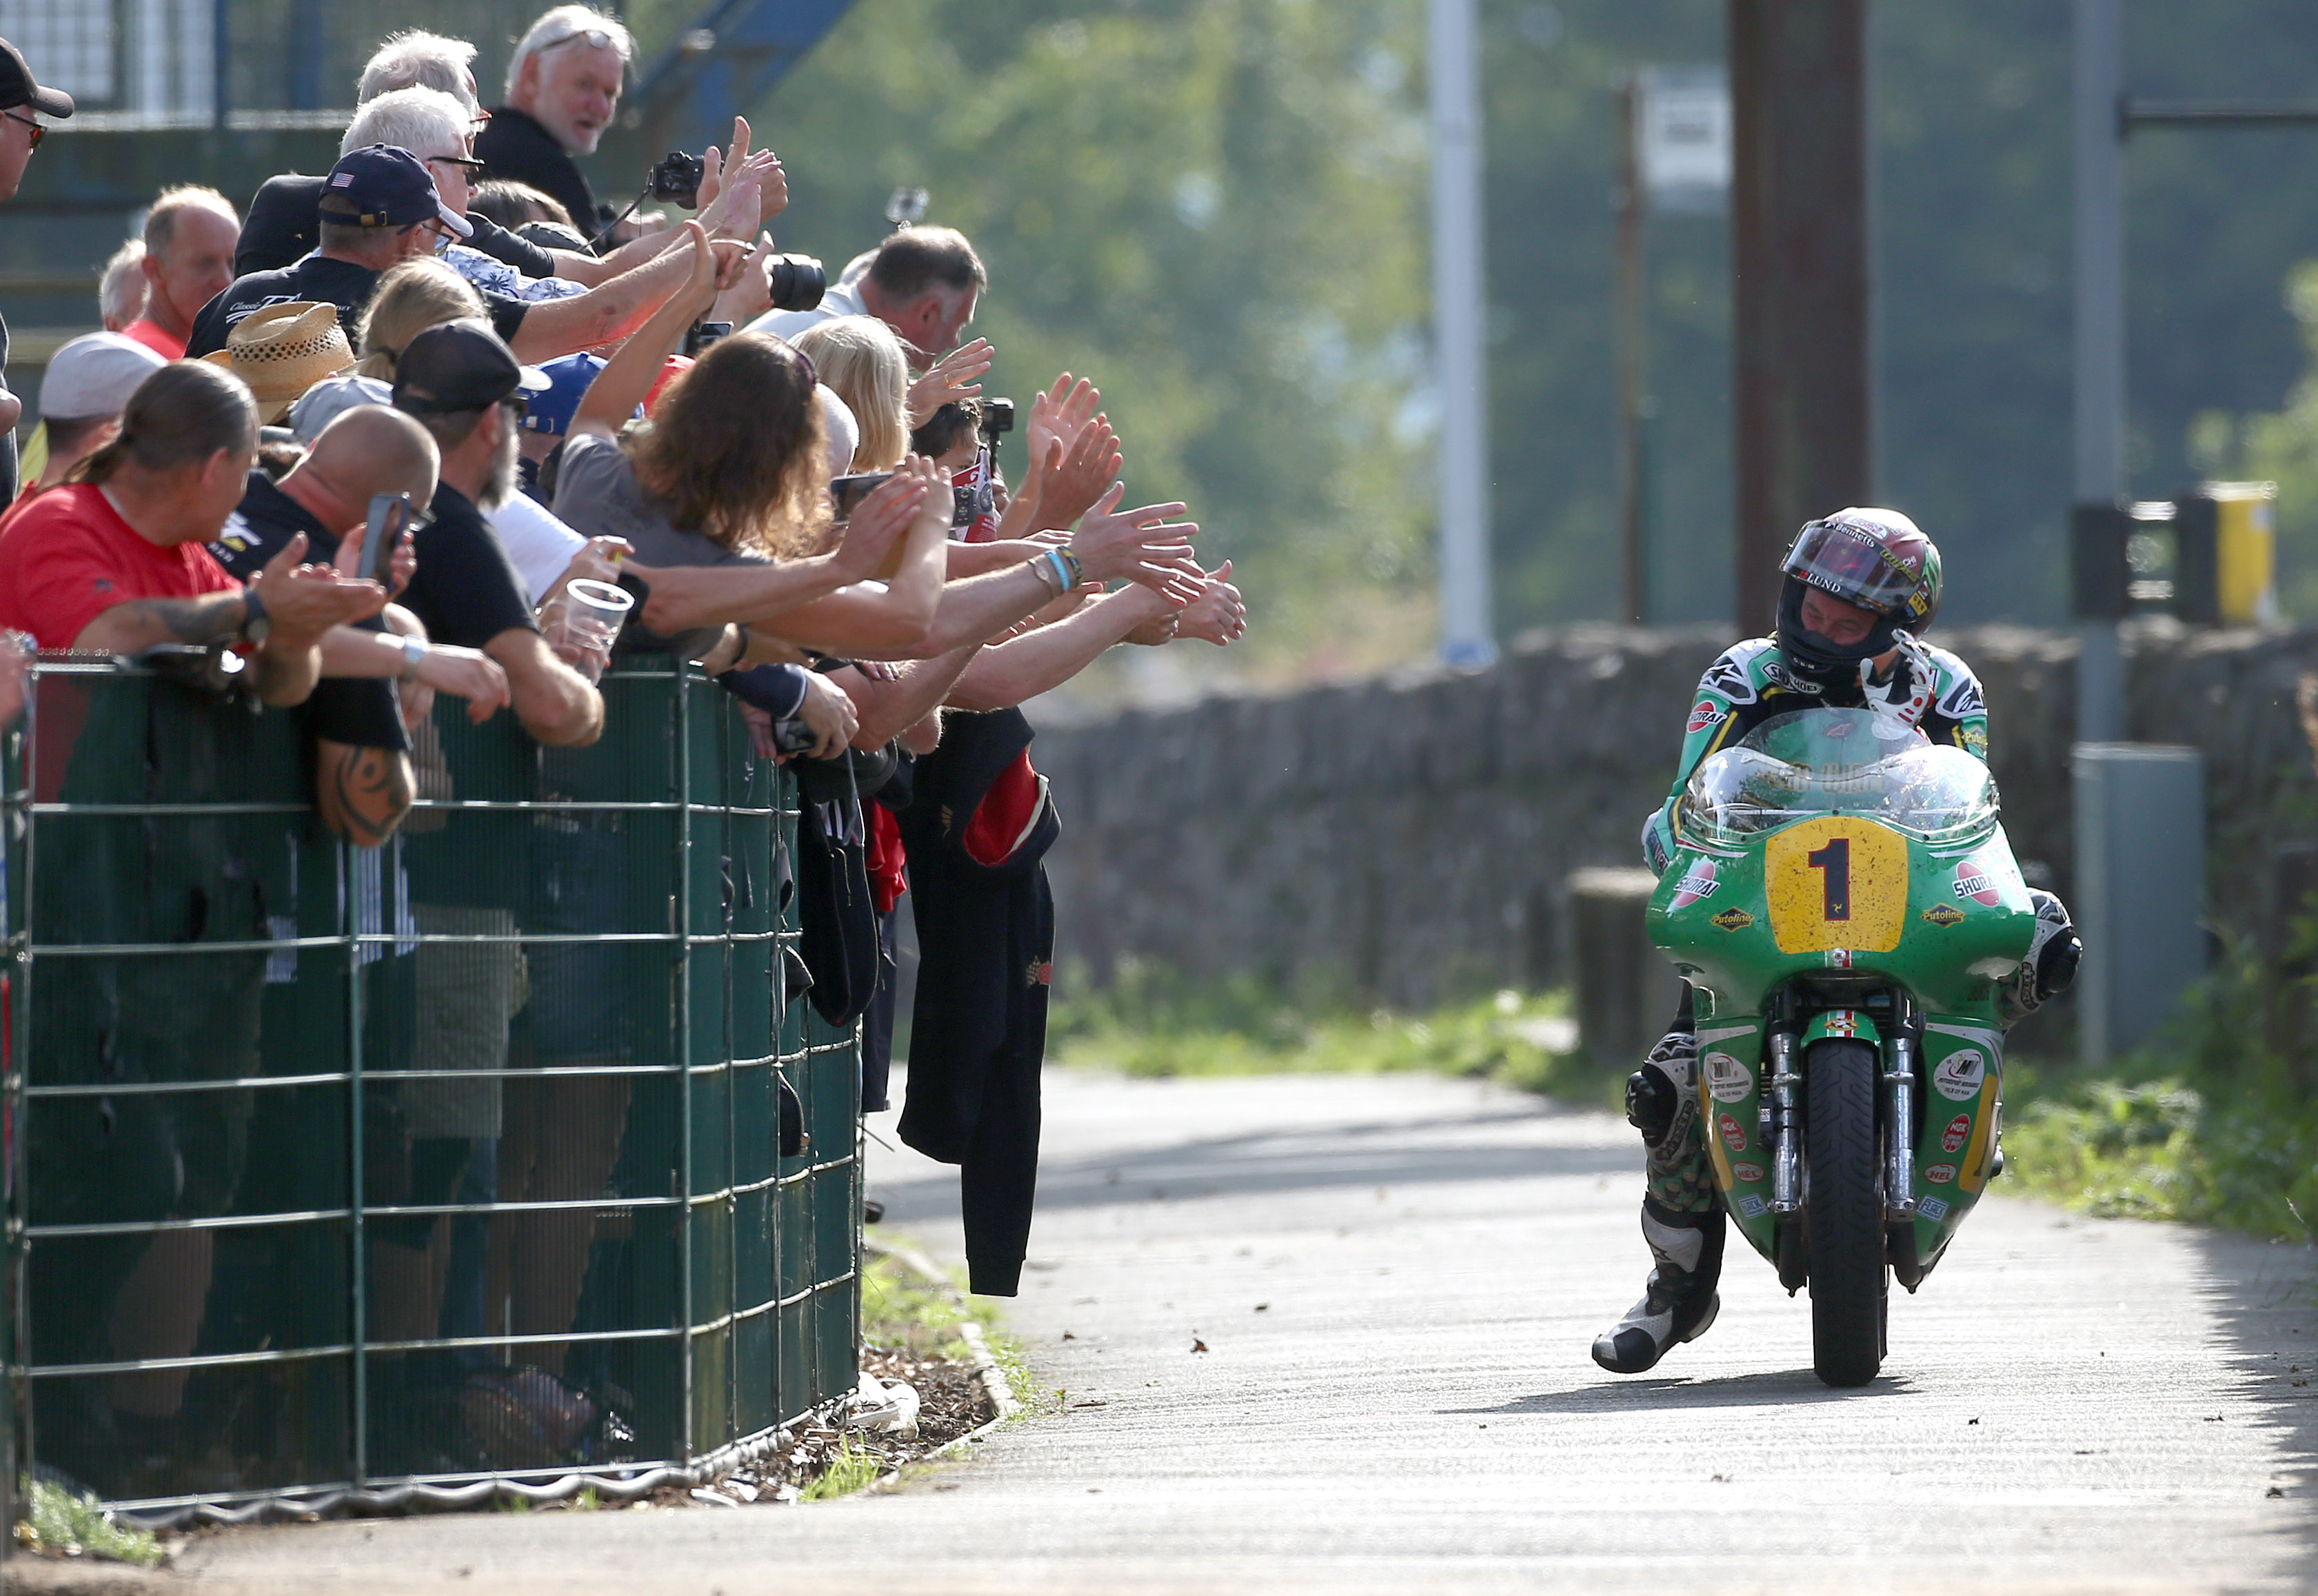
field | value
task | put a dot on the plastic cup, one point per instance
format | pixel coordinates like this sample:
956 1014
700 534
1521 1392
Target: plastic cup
582 622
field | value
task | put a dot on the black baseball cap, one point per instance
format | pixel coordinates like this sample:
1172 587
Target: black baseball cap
17 87
460 365
382 186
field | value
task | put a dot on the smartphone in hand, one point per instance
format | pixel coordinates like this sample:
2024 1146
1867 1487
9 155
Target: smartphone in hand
383 533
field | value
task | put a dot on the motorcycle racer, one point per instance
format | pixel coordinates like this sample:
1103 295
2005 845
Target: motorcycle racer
1860 586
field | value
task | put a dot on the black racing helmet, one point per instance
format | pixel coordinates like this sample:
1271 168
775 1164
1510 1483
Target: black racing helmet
1876 560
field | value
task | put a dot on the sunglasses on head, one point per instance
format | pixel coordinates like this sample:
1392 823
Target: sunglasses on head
595 37
38 131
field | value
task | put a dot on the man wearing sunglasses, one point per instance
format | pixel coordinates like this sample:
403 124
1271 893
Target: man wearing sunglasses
22 102
563 89
379 208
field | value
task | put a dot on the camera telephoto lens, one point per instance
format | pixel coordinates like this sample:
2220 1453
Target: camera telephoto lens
797 282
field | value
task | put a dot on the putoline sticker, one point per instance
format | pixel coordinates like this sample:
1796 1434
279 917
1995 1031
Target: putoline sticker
1958 1076
1726 1079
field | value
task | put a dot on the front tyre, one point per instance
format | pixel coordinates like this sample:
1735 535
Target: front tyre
1844 1210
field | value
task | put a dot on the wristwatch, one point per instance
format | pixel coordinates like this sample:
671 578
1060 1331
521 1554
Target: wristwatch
255 623
414 655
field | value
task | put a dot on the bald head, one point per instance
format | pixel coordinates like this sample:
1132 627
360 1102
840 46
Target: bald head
368 450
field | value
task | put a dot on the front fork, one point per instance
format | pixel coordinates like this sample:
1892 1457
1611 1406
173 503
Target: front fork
1898 1081
1900 1117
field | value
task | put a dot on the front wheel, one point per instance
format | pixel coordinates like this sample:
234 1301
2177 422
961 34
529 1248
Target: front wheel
1844 1210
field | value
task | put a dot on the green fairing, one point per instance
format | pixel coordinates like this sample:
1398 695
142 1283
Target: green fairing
1930 889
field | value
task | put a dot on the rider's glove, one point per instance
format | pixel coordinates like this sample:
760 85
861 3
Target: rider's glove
1889 701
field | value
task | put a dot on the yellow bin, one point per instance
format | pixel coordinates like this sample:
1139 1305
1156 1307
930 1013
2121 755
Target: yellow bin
2246 519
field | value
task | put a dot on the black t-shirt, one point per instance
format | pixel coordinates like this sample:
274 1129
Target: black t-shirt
361 712
323 280
466 590
284 225
514 147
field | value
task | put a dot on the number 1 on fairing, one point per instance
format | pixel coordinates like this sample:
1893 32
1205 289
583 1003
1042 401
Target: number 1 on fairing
1834 861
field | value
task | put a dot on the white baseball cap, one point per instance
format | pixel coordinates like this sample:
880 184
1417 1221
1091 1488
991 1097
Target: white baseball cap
93 376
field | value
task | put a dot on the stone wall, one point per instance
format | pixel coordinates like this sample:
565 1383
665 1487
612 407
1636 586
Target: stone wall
1409 837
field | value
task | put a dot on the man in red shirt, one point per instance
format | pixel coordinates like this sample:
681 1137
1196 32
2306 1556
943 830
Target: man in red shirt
114 564
189 239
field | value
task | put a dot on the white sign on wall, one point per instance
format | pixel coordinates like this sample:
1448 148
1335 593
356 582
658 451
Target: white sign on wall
1684 134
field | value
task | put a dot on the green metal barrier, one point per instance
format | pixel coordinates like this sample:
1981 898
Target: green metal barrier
415 1169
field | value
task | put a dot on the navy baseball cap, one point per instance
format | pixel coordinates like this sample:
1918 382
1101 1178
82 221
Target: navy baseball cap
461 365
17 87
382 186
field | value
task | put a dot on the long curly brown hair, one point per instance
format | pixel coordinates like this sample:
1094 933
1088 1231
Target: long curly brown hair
734 447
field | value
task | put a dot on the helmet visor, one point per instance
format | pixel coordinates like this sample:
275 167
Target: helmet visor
1854 564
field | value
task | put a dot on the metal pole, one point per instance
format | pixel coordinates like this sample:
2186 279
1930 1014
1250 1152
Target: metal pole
1467 634
2099 333
1632 357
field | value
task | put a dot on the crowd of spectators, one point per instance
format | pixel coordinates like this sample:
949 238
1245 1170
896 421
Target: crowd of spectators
447 345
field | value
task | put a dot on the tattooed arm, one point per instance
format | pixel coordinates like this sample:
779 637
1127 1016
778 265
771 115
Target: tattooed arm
364 792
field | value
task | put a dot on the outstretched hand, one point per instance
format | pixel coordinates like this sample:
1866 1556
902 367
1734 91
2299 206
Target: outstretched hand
1060 412
1140 544
1219 615
878 521
1074 482
952 377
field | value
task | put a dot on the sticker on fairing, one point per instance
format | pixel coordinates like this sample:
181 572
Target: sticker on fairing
1751 1207
1932 1208
1726 1079
1957 1077
1940 1175
1697 882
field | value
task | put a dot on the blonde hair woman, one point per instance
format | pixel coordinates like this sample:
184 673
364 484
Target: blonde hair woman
860 361
409 298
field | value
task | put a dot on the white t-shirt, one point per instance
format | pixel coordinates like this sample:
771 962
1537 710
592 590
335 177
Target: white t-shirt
844 298
536 539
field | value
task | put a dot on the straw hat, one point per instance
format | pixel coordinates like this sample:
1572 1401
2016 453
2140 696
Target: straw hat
282 350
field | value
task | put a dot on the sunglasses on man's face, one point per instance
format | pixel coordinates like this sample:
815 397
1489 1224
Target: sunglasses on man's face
466 162
38 133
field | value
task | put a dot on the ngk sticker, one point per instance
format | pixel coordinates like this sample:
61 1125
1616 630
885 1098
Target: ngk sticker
1959 1075
1940 1175
1959 1132
1706 712
1977 882
1697 882
1733 1137
1726 1079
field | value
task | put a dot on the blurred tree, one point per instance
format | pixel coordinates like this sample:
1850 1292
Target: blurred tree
1214 209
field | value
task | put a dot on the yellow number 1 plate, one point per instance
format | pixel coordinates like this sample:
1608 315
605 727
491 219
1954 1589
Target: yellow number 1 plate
1837 883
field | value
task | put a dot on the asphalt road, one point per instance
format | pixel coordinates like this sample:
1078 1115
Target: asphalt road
1397 1279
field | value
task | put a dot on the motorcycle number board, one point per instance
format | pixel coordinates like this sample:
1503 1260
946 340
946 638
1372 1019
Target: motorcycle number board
1837 883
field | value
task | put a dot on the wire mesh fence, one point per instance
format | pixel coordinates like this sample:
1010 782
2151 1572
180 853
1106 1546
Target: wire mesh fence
505 1150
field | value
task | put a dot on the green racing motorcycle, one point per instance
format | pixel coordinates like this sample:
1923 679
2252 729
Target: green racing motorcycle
1844 906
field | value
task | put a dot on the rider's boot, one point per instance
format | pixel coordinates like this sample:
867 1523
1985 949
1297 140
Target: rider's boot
1682 1215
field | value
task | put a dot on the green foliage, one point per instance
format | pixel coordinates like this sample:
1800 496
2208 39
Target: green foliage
1216 207
902 1310
1150 1024
1210 206
2215 1122
63 1524
854 1467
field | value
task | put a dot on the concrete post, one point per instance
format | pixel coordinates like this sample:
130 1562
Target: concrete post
1626 990
2140 889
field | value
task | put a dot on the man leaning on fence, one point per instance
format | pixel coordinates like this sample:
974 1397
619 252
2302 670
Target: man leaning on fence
114 563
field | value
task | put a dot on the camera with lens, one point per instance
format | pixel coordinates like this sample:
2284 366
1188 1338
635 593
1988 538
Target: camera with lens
797 282
700 335
997 419
677 179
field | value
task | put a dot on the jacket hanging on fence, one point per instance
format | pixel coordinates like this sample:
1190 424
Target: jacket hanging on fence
835 910
978 826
